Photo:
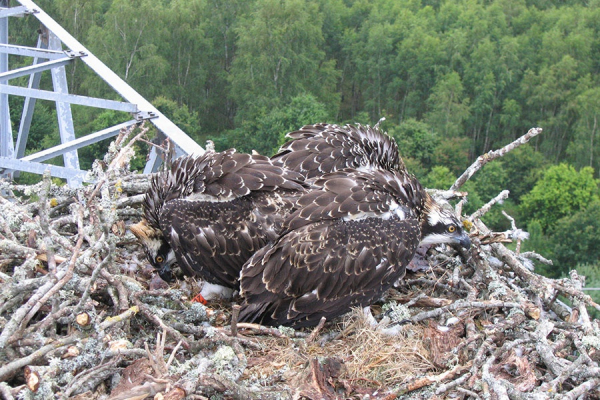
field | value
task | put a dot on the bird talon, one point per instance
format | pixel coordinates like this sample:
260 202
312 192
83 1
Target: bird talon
199 299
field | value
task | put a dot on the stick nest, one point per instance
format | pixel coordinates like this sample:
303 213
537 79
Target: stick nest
83 316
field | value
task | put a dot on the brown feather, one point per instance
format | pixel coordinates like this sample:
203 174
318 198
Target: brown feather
216 210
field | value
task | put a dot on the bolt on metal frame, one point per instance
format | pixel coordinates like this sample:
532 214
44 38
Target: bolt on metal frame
50 55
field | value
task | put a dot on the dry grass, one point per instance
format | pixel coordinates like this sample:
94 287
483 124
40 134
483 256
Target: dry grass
370 358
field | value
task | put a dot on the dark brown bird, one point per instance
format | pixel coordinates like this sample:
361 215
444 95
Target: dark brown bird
349 240
322 148
213 212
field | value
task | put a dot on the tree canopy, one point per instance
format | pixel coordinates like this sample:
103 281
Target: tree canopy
453 79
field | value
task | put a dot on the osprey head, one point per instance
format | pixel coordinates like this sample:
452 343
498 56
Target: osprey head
158 251
440 225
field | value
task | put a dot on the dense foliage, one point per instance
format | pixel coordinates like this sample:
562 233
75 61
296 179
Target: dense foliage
453 79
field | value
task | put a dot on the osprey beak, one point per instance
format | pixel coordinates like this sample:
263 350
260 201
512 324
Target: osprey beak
165 273
464 240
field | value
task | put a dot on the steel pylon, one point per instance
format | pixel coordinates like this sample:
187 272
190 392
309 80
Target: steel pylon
55 49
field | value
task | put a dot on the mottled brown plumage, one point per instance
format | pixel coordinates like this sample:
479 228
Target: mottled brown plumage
322 148
348 241
211 213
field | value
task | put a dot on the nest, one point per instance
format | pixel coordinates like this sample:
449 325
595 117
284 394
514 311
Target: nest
83 316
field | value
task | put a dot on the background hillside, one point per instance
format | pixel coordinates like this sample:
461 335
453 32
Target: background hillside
453 79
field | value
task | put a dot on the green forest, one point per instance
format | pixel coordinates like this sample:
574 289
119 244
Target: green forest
453 79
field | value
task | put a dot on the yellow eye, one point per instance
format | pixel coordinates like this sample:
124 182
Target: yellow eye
451 228
159 259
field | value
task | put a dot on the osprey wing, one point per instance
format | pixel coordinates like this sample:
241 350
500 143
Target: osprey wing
216 177
214 239
350 239
322 148
214 211
324 269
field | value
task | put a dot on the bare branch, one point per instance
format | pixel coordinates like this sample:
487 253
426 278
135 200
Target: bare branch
491 155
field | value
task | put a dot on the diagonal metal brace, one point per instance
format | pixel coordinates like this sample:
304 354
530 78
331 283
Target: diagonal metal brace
32 69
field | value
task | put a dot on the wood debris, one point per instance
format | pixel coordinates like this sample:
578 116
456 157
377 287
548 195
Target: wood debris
82 316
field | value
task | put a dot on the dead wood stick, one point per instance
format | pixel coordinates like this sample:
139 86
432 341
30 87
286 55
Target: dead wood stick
452 384
130 201
44 223
431 379
416 300
462 304
536 256
554 364
222 384
172 356
110 321
424 301
49 319
564 375
581 389
210 342
61 282
99 372
11 368
315 332
590 373
503 195
155 319
15 249
42 294
118 285
6 229
500 387
537 282
468 392
577 283
142 391
261 329
94 276
436 284
235 312
5 391
491 155
574 293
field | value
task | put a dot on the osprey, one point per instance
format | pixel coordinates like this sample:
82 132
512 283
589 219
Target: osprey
318 149
347 242
210 213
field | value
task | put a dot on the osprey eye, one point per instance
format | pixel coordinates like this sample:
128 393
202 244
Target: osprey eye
159 259
451 228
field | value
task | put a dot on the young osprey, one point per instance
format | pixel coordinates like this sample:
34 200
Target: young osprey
318 149
349 240
211 213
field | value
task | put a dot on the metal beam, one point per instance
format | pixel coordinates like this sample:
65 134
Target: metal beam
39 168
7 146
49 54
29 103
66 128
68 98
13 11
32 69
119 85
30 51
78 143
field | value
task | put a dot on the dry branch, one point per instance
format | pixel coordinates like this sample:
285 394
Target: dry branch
491 155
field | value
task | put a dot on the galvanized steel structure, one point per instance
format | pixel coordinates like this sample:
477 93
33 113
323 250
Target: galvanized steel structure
55 49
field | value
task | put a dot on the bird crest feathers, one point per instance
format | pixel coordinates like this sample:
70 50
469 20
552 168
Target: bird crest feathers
143 231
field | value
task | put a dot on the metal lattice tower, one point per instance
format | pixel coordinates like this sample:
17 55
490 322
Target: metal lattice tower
55 49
